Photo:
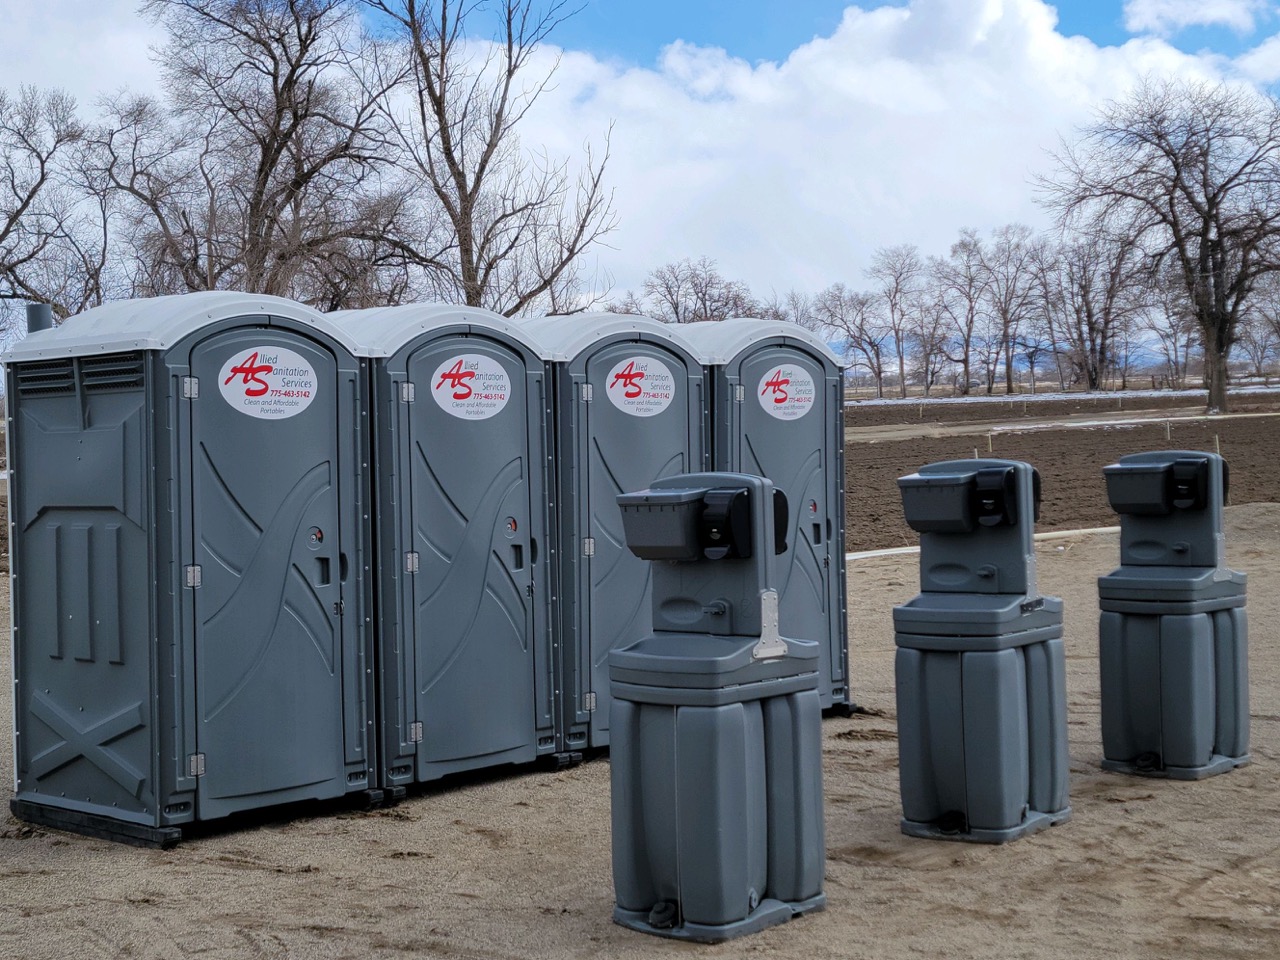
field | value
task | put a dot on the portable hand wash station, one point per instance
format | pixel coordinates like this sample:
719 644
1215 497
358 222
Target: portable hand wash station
982 712
716 750
1173 633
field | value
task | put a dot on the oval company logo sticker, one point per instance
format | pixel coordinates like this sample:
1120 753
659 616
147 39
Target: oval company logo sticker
270 383
471 386
641 386
786 392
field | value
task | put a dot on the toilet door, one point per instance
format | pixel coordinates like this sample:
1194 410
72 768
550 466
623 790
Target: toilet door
266 577
469 467
638 430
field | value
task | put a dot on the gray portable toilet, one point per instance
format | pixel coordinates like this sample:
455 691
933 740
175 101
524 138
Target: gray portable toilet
777 396
461 446
630 409
1173 632
189 564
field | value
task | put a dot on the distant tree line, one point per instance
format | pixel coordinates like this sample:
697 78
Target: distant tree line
1009 312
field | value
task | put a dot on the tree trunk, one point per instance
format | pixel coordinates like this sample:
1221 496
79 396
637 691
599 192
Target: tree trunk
1215 367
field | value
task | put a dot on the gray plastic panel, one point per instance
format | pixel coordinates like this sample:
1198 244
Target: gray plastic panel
1049 761
722 596
722 341
780 374
958 552
1167 535
384 331
975 614
80 505
793 735
994 703
717 743
964 643
565 338
980 668
1172 584
462 408
931 754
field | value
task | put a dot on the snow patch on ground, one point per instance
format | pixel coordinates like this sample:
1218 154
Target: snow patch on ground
1190 395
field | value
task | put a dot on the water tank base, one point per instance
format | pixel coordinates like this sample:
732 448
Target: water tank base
770 913
1033 822
1216 765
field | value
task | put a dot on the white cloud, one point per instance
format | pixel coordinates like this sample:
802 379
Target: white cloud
1166 17
902 127
87 49
1262 63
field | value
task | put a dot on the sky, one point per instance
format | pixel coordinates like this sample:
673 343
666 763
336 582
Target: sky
786 139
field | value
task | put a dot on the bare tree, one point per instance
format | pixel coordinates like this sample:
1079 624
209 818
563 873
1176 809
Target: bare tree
38 132
668 291
1050 309
352 273
688 291
1171 319
856 318
795 307
897 272
515 225
1089 288
1267 304
988 349
1033 344
1010 290
1258 341
1195 169
263 163
928 327
960 281
630 304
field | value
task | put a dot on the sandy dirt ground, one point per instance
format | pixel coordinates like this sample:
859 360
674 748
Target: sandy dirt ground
518 865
